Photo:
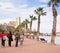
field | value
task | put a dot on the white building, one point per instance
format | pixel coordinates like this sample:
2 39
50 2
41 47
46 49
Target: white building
18 21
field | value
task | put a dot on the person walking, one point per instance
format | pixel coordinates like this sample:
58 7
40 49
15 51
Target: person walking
21 39
9 38
3 38
0 39
17 38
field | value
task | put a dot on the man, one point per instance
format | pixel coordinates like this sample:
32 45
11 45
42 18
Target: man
17 37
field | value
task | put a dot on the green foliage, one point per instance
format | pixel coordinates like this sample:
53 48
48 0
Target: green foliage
33 17
21 25
0 32
40 11
26 21
53 2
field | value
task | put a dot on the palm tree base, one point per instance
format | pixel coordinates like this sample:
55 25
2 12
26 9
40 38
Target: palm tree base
37 38
53 40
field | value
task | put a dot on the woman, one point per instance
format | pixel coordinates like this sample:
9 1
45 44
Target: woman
3 38
9 38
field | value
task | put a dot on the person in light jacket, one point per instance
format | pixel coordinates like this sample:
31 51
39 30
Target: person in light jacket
21 39
17 38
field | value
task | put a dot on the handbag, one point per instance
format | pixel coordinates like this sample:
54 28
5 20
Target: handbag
11 39
4 37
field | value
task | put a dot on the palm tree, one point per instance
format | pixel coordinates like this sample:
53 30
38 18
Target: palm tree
54 3
39 12
26 23
21 25
32 18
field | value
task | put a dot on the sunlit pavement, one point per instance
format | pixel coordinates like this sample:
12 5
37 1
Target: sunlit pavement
31 46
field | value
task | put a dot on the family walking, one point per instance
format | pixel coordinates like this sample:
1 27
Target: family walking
19 37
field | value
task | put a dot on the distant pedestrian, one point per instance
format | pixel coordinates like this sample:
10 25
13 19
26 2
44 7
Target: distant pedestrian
32 35
21 39
27 35
10 38
17 37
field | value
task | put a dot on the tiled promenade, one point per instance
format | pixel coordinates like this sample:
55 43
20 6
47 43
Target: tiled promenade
31 46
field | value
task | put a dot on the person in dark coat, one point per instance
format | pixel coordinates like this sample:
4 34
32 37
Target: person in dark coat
9 38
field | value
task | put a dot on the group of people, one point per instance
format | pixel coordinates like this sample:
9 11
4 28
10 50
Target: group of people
30 35
19 37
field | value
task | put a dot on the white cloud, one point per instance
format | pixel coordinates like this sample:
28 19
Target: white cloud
19 1
4 0
44 1
23 11
5 20
5 5
23 6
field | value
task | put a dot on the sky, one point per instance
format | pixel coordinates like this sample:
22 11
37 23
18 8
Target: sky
10 9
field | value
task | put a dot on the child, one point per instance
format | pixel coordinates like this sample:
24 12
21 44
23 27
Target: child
21 39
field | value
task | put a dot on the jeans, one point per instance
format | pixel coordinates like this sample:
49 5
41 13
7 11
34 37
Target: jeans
21 42
3 42
16 43
9 42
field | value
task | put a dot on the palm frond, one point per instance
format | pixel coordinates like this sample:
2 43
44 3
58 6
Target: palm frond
34 18
40 11
57 1
27 21
36 11
44 13
31 16
53 2
49 3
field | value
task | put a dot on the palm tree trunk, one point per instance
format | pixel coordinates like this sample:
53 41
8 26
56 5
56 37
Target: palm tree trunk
53 31
26 27
31 26
38 29
54 25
